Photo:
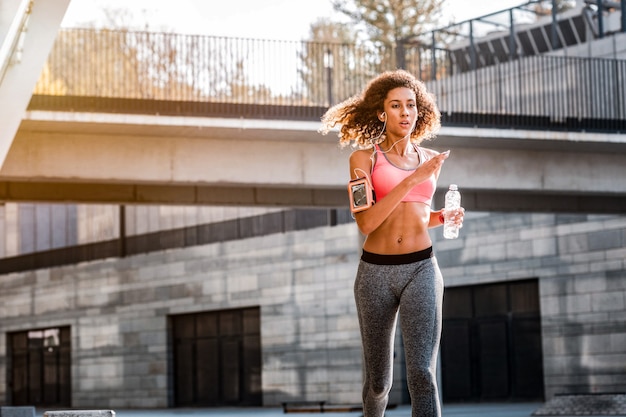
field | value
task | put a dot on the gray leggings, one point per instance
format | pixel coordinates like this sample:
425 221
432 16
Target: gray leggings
416 290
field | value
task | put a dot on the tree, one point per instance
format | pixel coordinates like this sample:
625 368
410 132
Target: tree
109 60
329 62
391 21
373 40
115 64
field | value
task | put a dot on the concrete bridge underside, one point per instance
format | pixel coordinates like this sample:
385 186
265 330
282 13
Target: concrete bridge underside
126 159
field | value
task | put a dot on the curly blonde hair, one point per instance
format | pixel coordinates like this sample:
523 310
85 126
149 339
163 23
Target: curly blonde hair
358 115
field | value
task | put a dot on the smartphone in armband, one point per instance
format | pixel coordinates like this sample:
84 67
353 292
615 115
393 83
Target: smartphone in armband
361 194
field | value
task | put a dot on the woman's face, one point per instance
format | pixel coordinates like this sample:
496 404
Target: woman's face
400 111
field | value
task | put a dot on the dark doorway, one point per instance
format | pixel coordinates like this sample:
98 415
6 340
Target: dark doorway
39 367
217 358
491 343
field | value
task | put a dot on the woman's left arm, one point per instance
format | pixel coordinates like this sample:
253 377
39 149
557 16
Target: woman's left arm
436 218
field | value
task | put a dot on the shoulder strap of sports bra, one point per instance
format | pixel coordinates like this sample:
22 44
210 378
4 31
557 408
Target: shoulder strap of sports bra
374 157
423 157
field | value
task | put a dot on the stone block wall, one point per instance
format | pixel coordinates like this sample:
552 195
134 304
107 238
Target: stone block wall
117 310
302 282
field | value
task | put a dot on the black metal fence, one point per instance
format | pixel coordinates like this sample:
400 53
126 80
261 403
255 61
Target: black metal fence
228 230
157 73
536 27
538 92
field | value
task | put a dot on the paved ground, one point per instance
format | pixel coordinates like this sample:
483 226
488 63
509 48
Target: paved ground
565 405
456 410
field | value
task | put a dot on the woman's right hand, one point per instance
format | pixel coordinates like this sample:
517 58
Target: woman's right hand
431 167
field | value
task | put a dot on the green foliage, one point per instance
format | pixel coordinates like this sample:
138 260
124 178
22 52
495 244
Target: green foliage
389 21
342 56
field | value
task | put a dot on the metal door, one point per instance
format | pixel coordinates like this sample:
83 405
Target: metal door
491 343
217 358
39 367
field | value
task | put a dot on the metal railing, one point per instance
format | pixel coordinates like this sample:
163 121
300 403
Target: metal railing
201 234
534 28
538 92
158 73
175 67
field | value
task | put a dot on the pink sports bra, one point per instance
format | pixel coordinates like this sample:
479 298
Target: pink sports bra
385 176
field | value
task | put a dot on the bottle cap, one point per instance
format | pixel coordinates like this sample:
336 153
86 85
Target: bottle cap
453 187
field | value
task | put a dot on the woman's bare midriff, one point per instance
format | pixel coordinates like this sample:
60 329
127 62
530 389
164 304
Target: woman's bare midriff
404 231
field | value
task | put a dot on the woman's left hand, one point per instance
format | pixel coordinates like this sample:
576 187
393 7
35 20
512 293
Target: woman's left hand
456 215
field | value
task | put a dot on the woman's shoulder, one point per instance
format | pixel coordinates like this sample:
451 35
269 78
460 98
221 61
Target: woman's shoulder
362 153
362 158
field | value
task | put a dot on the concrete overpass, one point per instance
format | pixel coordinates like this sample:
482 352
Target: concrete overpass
58 156
86 157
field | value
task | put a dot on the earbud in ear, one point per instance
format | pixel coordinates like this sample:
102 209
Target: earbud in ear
383 116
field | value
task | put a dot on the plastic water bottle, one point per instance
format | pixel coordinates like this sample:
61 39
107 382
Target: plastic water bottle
453 201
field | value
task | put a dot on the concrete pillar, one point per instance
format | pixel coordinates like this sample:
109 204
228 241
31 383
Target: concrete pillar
29 37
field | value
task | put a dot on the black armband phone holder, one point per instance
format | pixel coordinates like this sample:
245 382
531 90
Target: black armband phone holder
361 194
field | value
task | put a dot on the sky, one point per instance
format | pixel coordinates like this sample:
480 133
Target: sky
259 19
